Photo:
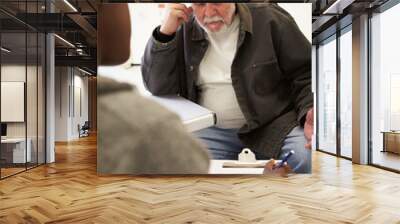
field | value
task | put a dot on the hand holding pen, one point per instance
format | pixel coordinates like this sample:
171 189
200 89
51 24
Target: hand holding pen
279 168
284 160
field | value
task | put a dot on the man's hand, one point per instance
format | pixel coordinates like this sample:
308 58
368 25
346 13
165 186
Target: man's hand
309 127
175 15
271 168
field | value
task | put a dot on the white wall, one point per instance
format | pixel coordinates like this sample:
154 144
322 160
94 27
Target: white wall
80 102
62 81
15 73
144 18
33 126
70 83
301 12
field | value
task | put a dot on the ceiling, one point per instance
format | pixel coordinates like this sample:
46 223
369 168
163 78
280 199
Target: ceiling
74 21
331 15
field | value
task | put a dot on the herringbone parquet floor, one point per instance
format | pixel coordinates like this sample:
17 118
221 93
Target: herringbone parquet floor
69 191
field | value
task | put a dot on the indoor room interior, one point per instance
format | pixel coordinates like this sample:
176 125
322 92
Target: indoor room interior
48 75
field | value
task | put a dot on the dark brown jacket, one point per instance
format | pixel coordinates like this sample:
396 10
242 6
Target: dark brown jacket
271 72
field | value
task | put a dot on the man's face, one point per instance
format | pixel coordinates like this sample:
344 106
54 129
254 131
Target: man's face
214 16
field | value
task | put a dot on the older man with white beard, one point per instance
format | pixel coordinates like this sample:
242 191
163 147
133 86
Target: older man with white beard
250 64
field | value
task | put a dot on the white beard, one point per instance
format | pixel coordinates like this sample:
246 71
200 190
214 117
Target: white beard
223 29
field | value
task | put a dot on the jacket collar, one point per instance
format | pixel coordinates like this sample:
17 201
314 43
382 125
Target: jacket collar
246 23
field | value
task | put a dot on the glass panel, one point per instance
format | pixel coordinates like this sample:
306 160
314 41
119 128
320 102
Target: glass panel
41 98
346 94
385 84
13 90
327 96
23 88
31 101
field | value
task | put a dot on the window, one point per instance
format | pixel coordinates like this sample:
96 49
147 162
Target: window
22 77
346 92
385 89
327 95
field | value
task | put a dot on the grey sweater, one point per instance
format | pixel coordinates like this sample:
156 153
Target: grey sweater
138 136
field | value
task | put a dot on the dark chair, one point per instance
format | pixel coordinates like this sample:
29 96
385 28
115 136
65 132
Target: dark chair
84 130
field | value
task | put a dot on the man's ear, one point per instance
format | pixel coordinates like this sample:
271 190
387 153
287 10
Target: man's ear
114 34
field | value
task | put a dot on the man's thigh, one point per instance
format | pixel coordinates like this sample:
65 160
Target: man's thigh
300 162
221 143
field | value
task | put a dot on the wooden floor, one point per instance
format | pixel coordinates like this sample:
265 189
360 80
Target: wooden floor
10 171
387 159
69 191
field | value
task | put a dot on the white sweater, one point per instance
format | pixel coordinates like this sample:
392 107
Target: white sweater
215 83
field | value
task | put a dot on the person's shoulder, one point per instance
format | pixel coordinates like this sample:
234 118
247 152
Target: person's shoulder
269 12
108 85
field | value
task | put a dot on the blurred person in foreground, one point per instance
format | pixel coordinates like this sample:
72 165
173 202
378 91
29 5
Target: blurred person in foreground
135 134
250 64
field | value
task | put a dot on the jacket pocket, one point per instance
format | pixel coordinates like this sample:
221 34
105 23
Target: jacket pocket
263 77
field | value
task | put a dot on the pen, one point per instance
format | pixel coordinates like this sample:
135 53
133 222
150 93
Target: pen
284 160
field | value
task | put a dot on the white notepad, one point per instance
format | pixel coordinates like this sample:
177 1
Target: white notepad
193 116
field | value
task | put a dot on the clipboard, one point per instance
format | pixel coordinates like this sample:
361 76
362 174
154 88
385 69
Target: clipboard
247 159
234 164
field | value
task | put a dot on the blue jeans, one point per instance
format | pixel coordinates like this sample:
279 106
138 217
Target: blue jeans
225 144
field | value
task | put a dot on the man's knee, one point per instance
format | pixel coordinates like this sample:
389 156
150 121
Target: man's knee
221 143
300 162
